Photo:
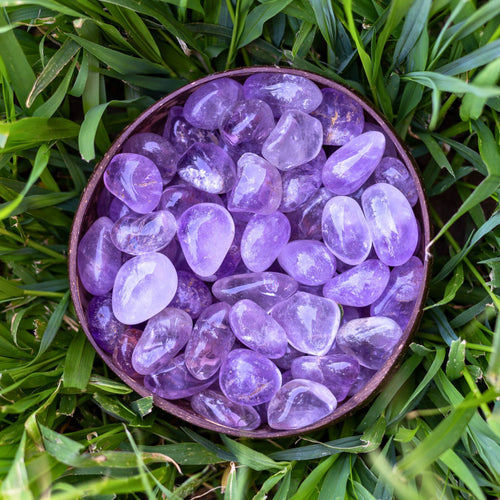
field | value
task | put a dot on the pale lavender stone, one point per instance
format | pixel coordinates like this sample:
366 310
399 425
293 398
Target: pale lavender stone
192 295
299 184
347 169
337 372
400 296
163 338
360 286
257 330
307 261
124 347
208 168
263 239
118 209
210 342
157 149
135 180
258 186
247 121
370 340
365 375
143 287
174 381
296 139
285 362
265 289
103 325
182 134
215 407
310 322
248 378
205 107
205 233
144 234
345 230
392 171
178 198
341 116
98 259
392 223
300 403
283 91
390 148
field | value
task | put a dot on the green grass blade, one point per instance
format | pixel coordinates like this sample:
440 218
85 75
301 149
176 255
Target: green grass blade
15 484
310 483
79 360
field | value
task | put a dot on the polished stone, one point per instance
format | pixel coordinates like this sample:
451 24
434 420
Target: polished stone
105 329
192 295
392 171
179 197
124 347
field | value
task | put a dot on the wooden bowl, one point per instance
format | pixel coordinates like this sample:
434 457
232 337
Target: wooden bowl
152 120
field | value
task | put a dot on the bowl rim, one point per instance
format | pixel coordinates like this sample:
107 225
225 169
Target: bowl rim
156 114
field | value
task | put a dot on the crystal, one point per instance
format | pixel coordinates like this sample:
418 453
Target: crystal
214 406
337 372
285 362
257 330
258 186
178 198
135 180
265 289
392 223
208 168
283 91
105 329
205 233
205 107
370 340
157 149
143 287
307 261
390 148
263 239
145 234
248 378
310 322
98 259
364 376
124 347
360 286
163 338
118 209
295 140
174 381
210 341
192 295
392 171
248 121
350 166
238 150
341 116
300 403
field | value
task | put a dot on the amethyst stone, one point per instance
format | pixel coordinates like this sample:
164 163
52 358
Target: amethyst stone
249 378
300 403
392 223
341 116
135 180
392 171
163 338
390 148
299 184
192 295
364 376
118 209
205 232
103 325
124 347
350 166
238 150
263 239
208 168
178 198
143 287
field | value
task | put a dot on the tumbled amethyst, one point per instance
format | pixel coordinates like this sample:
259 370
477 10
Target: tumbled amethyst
103 325
208 168
214 406
118 209
360 286
210 341
307 261
192 295
390 148
98 259
392 223
349 167
179 197
143 287
205 232
310 322
300 403
295 140
135 180
124 347
263 239
249 378
341 116
299 184
392 171
163 338
205 107
365 374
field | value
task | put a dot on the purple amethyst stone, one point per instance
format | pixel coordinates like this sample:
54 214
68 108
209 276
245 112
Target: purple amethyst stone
192 295
103 325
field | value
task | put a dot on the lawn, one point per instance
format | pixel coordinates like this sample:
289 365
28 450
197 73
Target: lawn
73 74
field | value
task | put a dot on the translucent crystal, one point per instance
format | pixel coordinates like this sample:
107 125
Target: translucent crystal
103 325
192 295
390 148
392 171
124 347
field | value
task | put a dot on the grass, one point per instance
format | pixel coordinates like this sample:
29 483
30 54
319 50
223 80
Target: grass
73 74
